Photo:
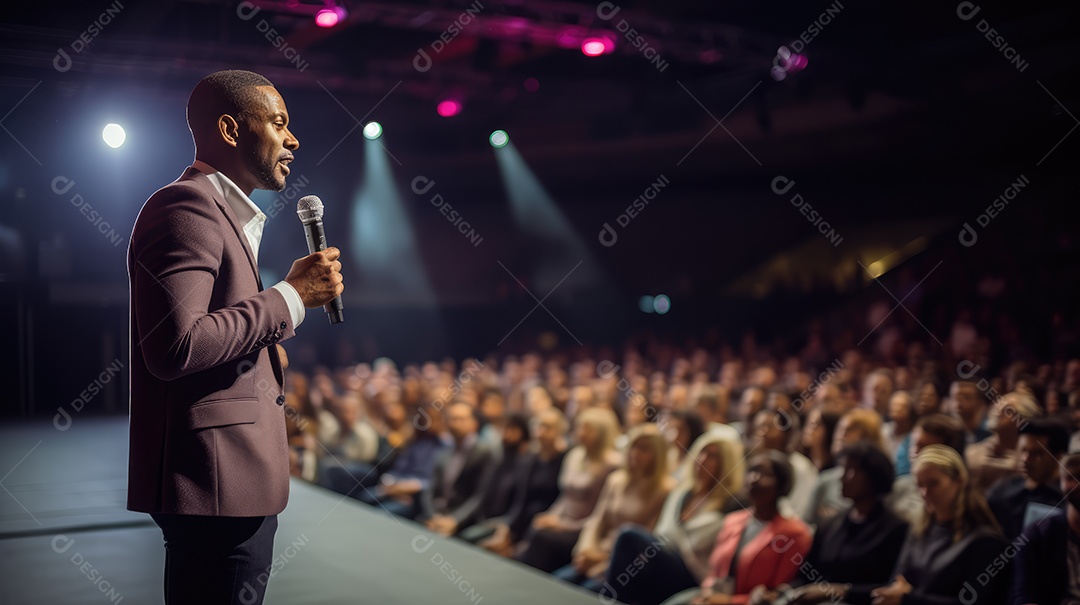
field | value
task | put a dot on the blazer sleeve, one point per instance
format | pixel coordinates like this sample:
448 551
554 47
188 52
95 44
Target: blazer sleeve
176 258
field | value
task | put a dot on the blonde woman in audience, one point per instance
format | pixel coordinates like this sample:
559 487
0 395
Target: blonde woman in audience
995 457
548 544
631 495
676 553
953 542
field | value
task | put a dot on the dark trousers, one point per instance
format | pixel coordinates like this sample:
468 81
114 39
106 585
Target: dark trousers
548 549
661 572
216 560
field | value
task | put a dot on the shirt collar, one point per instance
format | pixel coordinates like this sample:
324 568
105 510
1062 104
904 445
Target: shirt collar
250 217
241 204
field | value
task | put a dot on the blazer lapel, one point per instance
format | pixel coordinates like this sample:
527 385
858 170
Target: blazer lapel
204 183
200 179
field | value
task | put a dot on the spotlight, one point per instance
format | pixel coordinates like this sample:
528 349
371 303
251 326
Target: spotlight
329 17
113 135
372 130
594 47
499 139
645 303
662 304
448 108
787 63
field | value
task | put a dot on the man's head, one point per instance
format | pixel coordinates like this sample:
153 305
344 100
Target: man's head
936 429
1042 442
461 420
241 127
969 400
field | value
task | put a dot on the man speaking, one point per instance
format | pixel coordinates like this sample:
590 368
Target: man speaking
208 452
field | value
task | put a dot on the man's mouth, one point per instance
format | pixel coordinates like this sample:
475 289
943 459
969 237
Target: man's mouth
284 163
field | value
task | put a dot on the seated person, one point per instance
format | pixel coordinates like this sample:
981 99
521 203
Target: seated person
860 424
856 550
929 430
817 438
536 488
631 495
778 431
1017 501
954 541
463 474
995 458
758 546
675 556
513 443
349 458
1047 567
399 487
548 543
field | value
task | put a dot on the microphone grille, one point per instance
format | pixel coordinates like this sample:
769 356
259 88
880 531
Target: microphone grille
310 208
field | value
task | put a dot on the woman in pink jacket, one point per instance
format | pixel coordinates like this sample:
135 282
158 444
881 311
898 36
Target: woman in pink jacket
757 547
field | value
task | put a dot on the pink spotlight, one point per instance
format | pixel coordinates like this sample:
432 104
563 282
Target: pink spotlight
448 108
329 17
593 47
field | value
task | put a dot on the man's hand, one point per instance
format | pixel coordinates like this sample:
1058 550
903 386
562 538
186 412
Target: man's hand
283 357
317 277
442 524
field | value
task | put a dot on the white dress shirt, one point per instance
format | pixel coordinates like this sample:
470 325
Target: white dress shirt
253 221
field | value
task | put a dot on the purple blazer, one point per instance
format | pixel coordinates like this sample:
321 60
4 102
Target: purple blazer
207 426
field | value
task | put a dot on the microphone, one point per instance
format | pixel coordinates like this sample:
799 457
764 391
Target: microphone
310 210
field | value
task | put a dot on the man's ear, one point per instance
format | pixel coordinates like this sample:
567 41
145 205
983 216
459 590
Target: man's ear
229 129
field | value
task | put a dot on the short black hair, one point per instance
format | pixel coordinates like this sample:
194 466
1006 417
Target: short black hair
231 91
521 421
1057 436
782 471
869 459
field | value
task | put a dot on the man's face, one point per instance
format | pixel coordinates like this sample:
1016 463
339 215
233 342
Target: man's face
268 146
1036 461
462 422
967 402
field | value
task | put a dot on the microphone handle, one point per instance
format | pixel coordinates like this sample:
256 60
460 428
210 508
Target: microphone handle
316 242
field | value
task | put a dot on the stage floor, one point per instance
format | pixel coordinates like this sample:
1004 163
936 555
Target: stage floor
66 538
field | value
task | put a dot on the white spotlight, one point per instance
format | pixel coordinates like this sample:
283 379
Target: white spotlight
114 135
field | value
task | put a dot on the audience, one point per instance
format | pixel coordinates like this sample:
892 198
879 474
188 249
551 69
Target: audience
631 495
678 550
484 451
549 544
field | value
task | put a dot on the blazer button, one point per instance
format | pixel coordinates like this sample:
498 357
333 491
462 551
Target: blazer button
281 400
284 325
